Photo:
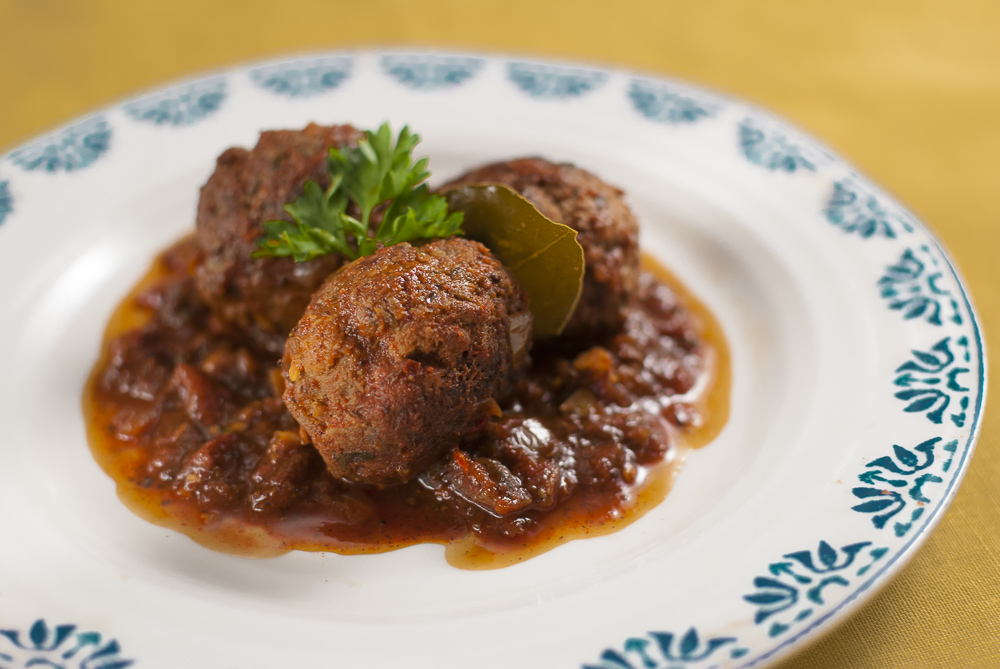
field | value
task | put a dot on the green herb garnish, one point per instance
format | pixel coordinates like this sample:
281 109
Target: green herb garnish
375 172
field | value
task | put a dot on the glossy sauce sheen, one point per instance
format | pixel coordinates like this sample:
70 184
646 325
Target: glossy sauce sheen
186 417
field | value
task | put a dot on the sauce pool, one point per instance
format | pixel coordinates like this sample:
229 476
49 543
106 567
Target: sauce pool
186 418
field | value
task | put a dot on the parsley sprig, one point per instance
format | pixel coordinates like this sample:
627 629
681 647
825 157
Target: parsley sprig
377 171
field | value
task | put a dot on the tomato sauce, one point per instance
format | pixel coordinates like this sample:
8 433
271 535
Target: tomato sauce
186 416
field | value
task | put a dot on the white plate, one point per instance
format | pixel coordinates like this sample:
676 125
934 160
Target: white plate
858 382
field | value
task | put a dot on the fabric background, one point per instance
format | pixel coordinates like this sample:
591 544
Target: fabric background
907 90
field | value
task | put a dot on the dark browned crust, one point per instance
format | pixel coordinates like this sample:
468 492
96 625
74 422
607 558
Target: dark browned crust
401 355
262 298
607 230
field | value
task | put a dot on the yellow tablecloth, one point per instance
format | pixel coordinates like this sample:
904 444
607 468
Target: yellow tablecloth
907 90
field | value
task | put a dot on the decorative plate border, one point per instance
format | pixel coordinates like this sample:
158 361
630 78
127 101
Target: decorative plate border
898 494
180 105
62 646
69 149
6 201
303 77
430 71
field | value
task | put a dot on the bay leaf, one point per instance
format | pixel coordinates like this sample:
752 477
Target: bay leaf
544 256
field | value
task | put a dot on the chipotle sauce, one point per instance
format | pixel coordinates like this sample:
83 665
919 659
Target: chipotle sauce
186 416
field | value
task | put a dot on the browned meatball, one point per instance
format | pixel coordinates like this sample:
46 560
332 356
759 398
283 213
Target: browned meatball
402 353
607 230
265 297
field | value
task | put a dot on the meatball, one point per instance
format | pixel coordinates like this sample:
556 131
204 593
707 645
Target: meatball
402 354
607 230
263 298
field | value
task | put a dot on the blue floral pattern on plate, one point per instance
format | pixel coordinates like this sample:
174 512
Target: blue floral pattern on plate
303 78
431 72
670 103
665 650
182 105
6 201
894 481
855 206
776 147
70 149
59 647
553 81
913 286
932 381
797 586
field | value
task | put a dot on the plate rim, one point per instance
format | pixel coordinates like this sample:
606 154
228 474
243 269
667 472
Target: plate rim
879 578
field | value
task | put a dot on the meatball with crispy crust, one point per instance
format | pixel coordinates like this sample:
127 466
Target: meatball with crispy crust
402 354
263 298
607 231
